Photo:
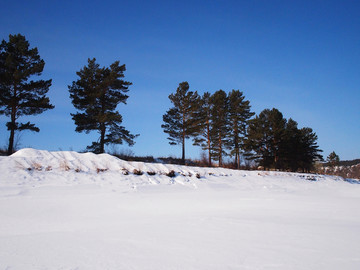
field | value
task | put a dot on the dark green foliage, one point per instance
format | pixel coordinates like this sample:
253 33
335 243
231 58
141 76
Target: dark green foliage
279 144
310 151
220 125
180 121
265 135
239 114
333 159
291 146
19 96
203 116
97 93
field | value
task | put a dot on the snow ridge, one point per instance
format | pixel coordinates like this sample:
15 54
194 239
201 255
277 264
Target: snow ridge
40 167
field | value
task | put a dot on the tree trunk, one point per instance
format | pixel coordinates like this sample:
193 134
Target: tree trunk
12 136
12 125
183 150
220 151
102 138
208 141
236 152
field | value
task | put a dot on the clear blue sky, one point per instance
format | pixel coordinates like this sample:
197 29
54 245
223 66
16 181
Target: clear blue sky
301 57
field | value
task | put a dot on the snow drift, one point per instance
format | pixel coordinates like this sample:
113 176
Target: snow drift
65 210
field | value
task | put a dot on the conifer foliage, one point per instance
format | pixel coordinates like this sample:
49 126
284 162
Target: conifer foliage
96 95
219 133
333 159
203 116
277 143
239 114
216 122
180 121
19 96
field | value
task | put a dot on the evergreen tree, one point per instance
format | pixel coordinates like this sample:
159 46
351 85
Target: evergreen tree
291 147
19 96
219 132
180 122
203 116
239 114
265 135
333 159
310 151
278 143
96 94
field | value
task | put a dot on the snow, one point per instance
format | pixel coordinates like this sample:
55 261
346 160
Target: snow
65 210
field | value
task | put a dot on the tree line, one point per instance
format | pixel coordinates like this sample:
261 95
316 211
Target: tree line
221 124
95 94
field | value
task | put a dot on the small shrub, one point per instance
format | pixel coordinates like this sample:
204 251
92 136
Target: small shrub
36 166
77 169
151 173
138 172
198 175
171 173
98 170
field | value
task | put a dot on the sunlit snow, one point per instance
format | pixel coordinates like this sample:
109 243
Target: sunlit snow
64 210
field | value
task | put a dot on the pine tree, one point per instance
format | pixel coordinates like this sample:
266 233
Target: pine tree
180 122
96 94
310 151
333 159
278 143
220 125
239 114
203 116
19 96
291 147
265 136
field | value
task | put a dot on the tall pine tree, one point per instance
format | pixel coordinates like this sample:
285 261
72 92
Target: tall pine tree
278 143
203 115
20 95
265 135
180 122
310 150
219 132
239 114
96 94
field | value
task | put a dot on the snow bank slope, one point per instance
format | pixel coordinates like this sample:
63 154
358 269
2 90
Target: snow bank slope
66 167
64 210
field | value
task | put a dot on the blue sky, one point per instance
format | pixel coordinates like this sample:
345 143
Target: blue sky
301 57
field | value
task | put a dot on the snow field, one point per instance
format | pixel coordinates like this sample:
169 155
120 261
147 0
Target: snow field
61 218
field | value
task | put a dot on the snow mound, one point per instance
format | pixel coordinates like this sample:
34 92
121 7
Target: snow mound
40 167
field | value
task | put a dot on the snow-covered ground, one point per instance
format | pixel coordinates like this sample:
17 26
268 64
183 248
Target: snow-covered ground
64 210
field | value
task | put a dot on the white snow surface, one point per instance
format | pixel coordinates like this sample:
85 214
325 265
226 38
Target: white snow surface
65 210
